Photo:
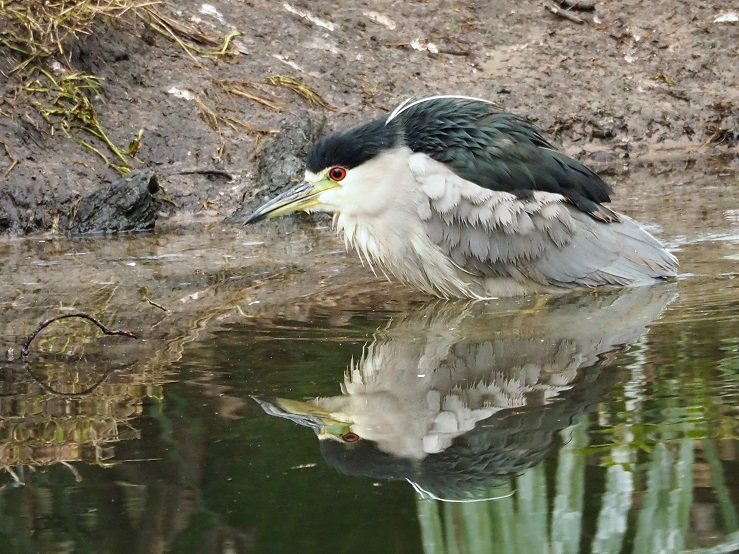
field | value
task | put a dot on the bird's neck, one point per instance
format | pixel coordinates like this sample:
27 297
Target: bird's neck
402 249
380 218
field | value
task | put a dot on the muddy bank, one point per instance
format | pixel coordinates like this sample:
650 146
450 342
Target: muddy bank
633 79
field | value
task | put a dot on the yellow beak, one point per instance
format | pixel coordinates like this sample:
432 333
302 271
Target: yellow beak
300 197
306 414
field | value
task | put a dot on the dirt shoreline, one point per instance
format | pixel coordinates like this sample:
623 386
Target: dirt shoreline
633 79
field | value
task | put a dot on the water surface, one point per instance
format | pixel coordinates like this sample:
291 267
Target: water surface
282 400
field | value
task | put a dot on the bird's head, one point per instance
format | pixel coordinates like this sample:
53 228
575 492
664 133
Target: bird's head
360 172
362 414
341 171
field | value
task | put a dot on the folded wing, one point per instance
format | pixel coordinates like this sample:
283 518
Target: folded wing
542 238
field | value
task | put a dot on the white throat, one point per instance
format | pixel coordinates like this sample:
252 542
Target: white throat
377 209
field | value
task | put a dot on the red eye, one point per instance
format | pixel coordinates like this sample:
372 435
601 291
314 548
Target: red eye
349 437
337 173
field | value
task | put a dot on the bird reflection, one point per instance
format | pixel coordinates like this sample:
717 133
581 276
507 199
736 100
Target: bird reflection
457 396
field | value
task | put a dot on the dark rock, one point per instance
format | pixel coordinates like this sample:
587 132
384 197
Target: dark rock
126 205
8 213
603 156
282 161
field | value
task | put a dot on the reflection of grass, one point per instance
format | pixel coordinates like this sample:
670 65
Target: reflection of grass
692 412
660 449
642 511
75 395
39 427
40 35
690 394
43 441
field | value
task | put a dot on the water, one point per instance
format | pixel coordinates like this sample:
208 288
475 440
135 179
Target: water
279 405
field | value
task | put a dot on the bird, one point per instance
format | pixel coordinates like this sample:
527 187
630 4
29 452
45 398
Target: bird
456 396
459 199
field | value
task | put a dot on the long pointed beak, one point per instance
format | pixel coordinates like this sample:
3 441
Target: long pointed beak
300 197
302 413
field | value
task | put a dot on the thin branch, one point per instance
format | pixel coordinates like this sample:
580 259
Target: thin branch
563 13
205 171
83 315
156 305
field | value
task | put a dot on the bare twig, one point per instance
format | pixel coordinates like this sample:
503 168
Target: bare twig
83 315
156 305
563 13
145 295
454 52
206 171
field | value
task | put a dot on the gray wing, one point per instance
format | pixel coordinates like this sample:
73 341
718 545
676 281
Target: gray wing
542 238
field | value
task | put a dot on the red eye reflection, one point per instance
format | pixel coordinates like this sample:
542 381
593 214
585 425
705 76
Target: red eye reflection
350 437
337 173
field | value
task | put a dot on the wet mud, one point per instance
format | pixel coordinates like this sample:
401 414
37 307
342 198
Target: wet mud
633 79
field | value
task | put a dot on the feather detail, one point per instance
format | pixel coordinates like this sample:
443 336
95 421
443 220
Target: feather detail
407 104
537 241
460 200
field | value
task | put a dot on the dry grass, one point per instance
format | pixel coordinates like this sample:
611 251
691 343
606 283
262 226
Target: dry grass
253 91
248 90
311 97
217 121
67 104
36 30
40 36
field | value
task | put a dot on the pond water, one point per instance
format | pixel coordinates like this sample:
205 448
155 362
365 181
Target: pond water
360 422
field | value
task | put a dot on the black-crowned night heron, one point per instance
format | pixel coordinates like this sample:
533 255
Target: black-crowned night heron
460 200
453 396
